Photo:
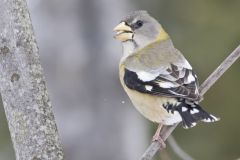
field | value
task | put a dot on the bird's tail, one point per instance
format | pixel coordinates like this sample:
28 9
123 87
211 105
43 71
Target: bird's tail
191 113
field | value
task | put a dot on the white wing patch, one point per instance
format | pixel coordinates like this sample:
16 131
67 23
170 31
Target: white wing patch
148 88
190 78
146 76
194 110
207 120
211 120
194 124
176 93
184 109
167 84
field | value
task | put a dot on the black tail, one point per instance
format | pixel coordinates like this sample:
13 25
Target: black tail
191 113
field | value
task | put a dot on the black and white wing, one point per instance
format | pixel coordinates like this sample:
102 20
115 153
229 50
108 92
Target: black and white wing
175 81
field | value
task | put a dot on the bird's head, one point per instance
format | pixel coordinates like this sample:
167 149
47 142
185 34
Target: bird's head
139 29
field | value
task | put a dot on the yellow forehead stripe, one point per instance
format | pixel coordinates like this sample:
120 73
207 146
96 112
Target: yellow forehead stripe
162 35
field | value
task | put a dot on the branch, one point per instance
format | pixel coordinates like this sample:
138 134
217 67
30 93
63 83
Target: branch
219 71
167 130
25 99
155 146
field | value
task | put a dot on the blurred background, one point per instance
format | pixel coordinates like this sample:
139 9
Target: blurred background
96 120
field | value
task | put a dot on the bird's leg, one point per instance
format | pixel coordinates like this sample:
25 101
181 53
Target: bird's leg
157 136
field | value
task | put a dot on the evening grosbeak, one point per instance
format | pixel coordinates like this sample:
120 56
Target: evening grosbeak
157 78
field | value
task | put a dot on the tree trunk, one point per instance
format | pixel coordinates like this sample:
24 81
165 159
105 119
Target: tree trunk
22 86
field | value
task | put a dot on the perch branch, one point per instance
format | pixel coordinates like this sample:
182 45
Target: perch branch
167 130
219 71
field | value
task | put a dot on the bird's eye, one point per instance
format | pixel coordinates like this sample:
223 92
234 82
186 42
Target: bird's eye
139 23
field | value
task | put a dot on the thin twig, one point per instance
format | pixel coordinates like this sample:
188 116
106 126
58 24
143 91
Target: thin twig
167 130
219 71
155 146
177 149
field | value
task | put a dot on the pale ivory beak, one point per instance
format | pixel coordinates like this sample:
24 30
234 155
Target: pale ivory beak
124 32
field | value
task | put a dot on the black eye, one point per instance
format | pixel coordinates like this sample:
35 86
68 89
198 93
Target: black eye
139 23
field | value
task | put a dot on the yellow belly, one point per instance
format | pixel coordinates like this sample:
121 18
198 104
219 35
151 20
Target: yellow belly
149 106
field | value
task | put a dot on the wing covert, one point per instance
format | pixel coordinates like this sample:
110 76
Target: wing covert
175 82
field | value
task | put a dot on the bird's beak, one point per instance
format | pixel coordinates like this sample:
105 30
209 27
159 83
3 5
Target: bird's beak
124 32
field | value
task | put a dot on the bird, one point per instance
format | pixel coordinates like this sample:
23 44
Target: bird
158 79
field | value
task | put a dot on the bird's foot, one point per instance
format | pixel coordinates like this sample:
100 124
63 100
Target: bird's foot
158 138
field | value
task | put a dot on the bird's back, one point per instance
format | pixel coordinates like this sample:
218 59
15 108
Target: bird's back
157 56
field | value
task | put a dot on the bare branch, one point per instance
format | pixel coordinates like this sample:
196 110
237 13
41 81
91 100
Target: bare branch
219 71
167 130
155 146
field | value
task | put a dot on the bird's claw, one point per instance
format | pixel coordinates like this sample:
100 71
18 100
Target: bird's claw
158 138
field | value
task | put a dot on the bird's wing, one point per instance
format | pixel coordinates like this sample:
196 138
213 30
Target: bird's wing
165 76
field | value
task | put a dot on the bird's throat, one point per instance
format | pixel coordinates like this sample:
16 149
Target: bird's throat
130 47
